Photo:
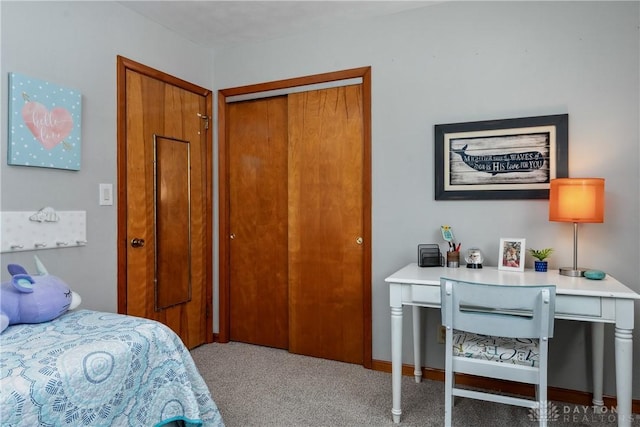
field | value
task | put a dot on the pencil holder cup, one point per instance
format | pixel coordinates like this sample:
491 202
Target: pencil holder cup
453 259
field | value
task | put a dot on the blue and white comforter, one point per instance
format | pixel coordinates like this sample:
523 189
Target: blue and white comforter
89 368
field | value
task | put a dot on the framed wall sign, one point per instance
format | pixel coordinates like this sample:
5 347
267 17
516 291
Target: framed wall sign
511 256
500 159
44 124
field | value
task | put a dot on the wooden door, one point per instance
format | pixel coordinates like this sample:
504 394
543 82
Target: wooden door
340 334
164 214
326 290
258 221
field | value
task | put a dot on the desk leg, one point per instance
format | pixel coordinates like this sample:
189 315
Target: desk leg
597 354
396 361
624 368
417 363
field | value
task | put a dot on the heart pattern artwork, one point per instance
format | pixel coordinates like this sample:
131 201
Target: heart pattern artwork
48 127
45 124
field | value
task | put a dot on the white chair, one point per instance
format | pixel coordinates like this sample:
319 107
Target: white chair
497 331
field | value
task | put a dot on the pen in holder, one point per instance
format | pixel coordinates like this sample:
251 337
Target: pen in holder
453 259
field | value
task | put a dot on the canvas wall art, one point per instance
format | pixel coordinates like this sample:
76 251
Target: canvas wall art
44 124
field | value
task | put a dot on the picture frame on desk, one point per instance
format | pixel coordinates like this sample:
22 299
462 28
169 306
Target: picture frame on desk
500 159
512 254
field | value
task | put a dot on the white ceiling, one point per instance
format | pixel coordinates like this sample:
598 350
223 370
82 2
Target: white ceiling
217 24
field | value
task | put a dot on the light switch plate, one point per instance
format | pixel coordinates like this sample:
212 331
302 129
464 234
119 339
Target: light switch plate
106 194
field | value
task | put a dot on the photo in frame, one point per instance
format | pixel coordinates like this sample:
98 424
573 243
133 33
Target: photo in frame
500 159
44 124
512 254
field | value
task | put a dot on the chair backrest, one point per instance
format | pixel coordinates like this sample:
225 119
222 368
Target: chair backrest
520 311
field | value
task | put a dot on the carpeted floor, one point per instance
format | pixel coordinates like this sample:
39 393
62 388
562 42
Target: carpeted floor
266 387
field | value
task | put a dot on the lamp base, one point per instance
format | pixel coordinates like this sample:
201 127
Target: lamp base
573 272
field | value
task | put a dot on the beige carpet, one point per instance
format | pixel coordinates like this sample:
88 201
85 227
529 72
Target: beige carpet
266 387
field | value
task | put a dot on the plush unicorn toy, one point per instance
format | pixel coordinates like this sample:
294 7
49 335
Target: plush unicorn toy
34 299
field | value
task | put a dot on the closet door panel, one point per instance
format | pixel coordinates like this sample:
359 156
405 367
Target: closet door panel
257 141
325 183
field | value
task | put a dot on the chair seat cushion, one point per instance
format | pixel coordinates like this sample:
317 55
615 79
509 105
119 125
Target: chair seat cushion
518 351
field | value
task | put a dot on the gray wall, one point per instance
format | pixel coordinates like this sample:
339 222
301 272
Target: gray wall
452 62
75 44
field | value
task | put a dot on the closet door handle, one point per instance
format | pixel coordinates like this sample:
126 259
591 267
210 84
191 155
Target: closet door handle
359 240
137 242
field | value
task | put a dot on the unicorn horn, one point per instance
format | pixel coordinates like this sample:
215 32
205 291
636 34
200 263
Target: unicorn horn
40 266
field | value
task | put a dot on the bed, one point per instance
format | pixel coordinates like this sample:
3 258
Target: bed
89 368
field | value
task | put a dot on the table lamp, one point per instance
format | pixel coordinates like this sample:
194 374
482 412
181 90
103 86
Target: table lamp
576 200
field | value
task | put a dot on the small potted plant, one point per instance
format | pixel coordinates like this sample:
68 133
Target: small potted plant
540 255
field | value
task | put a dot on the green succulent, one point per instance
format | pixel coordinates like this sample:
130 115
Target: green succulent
541 254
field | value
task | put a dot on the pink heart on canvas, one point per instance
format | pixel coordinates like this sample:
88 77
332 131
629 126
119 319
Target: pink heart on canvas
48 127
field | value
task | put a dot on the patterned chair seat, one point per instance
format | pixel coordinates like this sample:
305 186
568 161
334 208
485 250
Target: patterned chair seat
517 351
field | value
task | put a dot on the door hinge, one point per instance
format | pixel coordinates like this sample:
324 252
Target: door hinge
206 120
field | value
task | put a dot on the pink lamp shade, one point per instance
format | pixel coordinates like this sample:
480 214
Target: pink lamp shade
576 200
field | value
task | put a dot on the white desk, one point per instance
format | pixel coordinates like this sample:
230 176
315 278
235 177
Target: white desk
596 301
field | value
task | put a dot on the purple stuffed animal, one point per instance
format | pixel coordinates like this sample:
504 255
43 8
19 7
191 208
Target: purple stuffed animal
34 299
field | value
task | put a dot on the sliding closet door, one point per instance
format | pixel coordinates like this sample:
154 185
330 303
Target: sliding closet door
258 296
326 141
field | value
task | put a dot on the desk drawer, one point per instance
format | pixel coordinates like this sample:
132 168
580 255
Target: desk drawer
577 305
423 294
